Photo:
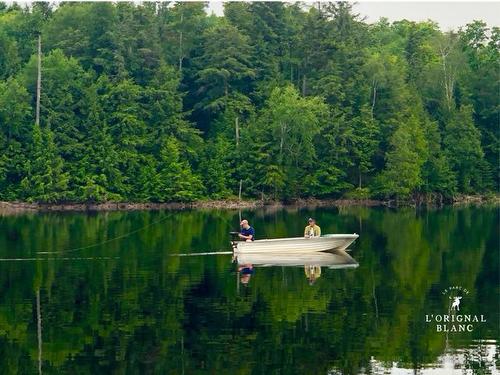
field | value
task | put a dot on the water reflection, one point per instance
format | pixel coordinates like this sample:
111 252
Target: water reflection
333 259
311 262
130 307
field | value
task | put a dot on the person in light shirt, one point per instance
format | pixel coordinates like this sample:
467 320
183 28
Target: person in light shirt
312 229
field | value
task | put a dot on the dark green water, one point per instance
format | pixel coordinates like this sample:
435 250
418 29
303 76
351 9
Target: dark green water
128 307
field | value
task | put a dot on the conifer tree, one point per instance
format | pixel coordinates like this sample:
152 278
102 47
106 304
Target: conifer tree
402 175
463 148
45 179
225 67
177 181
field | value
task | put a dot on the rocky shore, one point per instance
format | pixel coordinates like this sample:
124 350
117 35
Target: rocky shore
13 207
213 204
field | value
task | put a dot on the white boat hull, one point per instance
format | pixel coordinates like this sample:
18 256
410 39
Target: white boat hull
297 245
334 260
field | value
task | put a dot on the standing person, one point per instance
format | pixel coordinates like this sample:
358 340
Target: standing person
312 230
247 233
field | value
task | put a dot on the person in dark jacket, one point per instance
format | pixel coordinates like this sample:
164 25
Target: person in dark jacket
247 233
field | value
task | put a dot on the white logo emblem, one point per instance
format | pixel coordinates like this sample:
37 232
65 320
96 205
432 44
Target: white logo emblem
455 306
453 320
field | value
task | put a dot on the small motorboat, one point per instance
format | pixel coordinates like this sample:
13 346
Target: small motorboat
296 245
335 260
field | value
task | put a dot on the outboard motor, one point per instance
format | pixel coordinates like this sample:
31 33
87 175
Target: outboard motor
234 239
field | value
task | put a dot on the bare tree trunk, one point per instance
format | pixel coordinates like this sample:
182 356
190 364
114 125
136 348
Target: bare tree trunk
359 177
237 129
181 57
39 80
226 94
304 85
374 97
448 78
282 141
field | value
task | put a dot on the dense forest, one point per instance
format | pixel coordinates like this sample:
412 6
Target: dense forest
164 102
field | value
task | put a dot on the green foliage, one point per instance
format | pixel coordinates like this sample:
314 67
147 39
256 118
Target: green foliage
45 179
291 101
14 110
287 127
176 180
358 193
216 167
436 171
463 147
10 57
225 67
402 175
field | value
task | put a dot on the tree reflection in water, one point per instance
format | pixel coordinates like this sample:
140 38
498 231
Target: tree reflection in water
129 307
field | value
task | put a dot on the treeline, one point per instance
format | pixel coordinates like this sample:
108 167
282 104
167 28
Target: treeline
162 102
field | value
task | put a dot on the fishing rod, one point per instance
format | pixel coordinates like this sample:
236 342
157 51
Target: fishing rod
202 254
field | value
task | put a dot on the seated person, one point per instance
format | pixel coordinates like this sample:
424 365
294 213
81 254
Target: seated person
246 271
312 230
247 233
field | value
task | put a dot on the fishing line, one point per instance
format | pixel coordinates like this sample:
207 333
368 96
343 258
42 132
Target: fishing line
106 241
111 258
74 258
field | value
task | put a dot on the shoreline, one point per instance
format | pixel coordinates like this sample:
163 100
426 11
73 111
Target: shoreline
234 204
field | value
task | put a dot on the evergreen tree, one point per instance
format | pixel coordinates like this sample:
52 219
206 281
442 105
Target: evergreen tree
14 110
98 177
217 166
333 147
181 27
177 181
483 55
436 172
225 68
45 179
10 57
463 147
165 115
364 143
403 173
138 40
14 132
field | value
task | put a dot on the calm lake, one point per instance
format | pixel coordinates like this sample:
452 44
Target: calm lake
132 306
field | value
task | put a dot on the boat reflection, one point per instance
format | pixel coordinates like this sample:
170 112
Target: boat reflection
312 273
311 262
332 259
